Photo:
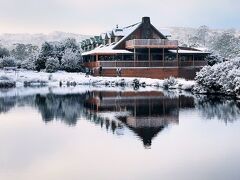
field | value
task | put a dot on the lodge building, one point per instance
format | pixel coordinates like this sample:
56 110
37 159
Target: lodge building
140 50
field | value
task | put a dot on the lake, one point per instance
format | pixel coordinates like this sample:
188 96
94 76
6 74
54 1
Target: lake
91 133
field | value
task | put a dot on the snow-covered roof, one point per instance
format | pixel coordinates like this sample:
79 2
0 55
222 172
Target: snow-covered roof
127 31
118 32
103 35
181 51
109 49
109 34
106 50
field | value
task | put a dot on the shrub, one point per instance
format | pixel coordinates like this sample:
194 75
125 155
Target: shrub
52 65
169 82
219 78
7 62
40 63
71 61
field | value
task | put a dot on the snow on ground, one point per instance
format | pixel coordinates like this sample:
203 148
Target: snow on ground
33 78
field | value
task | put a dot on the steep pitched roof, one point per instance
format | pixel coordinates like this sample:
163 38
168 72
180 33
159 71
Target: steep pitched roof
127 31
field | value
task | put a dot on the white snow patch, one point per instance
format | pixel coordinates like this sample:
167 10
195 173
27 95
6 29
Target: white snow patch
33 78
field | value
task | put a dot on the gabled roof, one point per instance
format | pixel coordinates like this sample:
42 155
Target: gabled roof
109 49
88 41
118 32
127 31
103 35
109 34
98 39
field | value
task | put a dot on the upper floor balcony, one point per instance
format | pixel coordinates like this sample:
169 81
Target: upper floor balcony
151 43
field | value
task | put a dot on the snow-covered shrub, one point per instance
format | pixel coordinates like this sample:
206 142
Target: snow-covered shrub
136 83
71 61
27 64
167 83
214 59
4 52
219 78
52 65
30 62
7 62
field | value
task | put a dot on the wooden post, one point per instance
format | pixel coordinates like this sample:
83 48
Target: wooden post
134 56
163 58
149 57
96 57
177 58
193 61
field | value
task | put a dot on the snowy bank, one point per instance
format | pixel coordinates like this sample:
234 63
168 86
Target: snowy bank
60 78
6 82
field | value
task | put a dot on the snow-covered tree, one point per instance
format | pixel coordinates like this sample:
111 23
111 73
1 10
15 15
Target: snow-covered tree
199 38
57 50
52 65
4 52
71 43
7 62
226 44
202 34
30 62
71 61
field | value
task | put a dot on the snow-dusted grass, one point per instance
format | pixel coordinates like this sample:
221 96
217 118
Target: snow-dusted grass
33 78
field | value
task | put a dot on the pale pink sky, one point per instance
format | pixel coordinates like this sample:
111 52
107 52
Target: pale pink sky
94 16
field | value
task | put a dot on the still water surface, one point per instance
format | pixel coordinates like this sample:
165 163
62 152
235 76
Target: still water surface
118 135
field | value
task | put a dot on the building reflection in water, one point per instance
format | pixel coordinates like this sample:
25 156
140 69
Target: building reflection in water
145 113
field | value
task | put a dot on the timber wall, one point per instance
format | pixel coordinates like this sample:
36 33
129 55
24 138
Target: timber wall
156 73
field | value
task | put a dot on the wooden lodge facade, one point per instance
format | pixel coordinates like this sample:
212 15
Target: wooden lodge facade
140 50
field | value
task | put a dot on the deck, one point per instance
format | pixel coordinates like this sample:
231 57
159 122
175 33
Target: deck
151 43
174 63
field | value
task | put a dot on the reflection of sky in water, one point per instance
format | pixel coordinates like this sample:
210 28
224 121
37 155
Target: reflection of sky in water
192 148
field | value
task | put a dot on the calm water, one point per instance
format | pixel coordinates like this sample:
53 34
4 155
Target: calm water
47 134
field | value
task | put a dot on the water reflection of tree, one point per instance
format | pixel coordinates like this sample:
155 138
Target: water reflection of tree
218 107
8 103
67 108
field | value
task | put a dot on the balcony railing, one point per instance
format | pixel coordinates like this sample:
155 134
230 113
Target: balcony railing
173 63
151 43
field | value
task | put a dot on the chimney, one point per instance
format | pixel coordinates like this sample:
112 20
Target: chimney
146 20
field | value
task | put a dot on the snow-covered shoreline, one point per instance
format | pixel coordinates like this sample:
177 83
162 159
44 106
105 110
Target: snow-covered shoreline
32 78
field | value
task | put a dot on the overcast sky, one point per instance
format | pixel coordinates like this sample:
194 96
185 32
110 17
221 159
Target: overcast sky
95 16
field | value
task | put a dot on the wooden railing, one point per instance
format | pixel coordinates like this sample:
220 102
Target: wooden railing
173 63
151 43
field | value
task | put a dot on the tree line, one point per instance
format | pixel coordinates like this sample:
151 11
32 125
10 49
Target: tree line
51 56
